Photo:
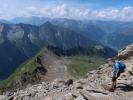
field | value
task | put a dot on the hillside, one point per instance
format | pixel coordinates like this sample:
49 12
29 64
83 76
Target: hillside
57 63
94 86
116 34
25 40
124 34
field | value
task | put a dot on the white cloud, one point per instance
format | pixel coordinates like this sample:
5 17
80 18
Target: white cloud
63 10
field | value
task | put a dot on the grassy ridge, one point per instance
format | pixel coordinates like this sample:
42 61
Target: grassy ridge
27 66
78 66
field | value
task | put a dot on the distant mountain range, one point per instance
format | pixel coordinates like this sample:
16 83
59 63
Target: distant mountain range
106 32
30 20
18 42
111 33
21 38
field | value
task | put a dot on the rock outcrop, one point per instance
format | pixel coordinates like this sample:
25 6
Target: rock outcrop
94 86
126 52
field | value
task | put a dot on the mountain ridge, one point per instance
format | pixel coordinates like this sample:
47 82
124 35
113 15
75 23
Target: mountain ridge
94 86
89 56
108 29
29 39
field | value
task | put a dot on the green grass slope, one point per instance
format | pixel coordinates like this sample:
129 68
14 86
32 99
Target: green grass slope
80 65
27 66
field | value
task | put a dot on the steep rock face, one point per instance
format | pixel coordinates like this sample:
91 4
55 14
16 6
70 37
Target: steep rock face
126 52
63 37
117 34
94 87
15 47
86 28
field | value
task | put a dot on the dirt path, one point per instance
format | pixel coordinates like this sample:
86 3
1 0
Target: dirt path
55 66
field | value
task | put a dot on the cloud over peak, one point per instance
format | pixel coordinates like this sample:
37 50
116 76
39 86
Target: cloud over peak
67 11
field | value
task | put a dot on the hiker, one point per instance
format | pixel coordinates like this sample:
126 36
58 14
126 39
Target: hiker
119 68
39 61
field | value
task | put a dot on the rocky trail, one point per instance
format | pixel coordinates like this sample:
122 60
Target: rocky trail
55 67
92 87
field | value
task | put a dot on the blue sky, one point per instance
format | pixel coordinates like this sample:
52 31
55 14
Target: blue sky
84 3
78 9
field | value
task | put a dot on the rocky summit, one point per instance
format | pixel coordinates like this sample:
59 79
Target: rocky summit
95 86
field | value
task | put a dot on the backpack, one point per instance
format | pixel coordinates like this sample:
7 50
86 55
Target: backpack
122 67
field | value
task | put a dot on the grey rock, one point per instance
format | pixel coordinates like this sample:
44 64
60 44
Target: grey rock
80 97
126 52
78 85
3 97
69 96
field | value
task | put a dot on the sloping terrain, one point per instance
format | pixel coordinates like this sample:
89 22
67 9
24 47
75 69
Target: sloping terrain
19 42
55 67
93 87
53 62
44 66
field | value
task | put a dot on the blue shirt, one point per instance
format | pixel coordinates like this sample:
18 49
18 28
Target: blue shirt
116 68
119 66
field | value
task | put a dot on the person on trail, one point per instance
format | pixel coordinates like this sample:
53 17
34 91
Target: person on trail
39 61
119 67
